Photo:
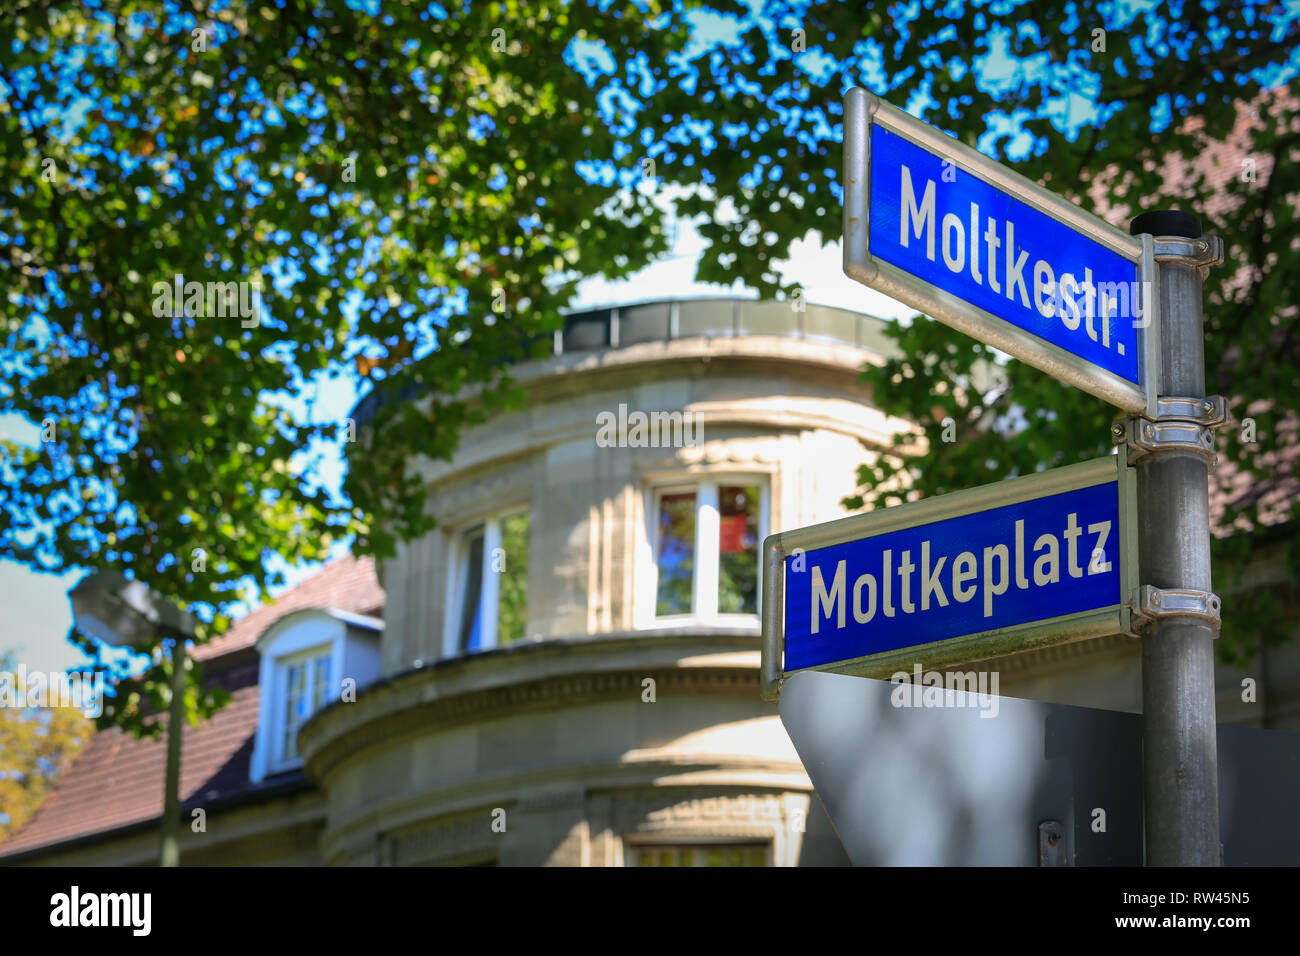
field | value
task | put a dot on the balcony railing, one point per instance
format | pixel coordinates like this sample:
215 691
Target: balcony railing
668 319
665 320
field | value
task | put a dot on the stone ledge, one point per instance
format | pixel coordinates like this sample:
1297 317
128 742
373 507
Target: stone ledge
413 703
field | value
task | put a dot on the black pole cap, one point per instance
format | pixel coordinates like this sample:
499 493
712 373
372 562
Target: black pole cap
1166 222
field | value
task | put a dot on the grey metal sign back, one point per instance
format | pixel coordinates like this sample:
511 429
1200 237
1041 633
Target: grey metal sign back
971 782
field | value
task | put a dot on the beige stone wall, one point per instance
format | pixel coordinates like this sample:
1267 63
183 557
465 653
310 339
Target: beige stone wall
788 412
558 745
552 742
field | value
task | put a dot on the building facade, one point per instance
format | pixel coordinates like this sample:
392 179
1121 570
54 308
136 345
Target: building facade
570 661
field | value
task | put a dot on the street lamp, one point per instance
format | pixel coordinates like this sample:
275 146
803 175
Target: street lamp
124 612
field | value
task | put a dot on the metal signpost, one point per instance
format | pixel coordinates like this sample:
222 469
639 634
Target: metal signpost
1082 551
1173 451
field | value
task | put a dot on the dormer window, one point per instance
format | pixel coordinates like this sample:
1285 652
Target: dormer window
308 658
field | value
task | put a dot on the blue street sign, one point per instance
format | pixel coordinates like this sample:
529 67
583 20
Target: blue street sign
943 228
1045 559
1017 564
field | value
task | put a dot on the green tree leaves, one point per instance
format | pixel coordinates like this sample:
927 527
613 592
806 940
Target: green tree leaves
416 192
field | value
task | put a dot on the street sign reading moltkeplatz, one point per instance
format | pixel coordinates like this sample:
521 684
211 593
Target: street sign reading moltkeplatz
935 224
1045 559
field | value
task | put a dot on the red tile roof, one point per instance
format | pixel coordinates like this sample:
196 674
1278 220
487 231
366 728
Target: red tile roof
118 780
346 584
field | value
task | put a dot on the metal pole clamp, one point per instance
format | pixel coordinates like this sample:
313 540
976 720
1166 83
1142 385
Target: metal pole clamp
1181 424
1151 604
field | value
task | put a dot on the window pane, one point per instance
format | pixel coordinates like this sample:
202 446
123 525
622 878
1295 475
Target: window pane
293 679
293 693
735 854
306 689
513 613
471 625
322 682
676 557
738 549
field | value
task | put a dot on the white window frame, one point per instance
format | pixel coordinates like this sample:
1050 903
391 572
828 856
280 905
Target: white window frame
708 522
280 718
490 588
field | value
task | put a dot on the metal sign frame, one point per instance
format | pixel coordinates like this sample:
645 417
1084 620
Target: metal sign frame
1077 626
862 111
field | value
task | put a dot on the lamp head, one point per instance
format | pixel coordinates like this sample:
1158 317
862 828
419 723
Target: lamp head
124 612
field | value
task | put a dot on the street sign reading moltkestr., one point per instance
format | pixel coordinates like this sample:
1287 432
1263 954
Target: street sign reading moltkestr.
939 226
1028 562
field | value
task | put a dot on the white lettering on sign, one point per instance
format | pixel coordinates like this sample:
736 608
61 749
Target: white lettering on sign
1055 293
988 574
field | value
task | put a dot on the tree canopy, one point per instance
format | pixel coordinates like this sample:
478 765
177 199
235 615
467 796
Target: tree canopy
40 743
411 191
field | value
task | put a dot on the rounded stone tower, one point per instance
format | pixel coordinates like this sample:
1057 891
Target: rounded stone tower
570 661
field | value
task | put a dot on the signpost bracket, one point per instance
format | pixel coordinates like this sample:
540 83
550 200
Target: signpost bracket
1051 844
1180 424
1151 604
1200 253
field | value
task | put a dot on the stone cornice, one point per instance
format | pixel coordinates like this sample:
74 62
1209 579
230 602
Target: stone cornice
758 421
574 671
431 716
564 372
528 677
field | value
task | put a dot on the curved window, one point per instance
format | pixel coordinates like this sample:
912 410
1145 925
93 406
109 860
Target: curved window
306 684
705 542
488 585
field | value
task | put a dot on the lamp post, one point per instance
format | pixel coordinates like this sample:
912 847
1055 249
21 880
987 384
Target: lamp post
124 612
